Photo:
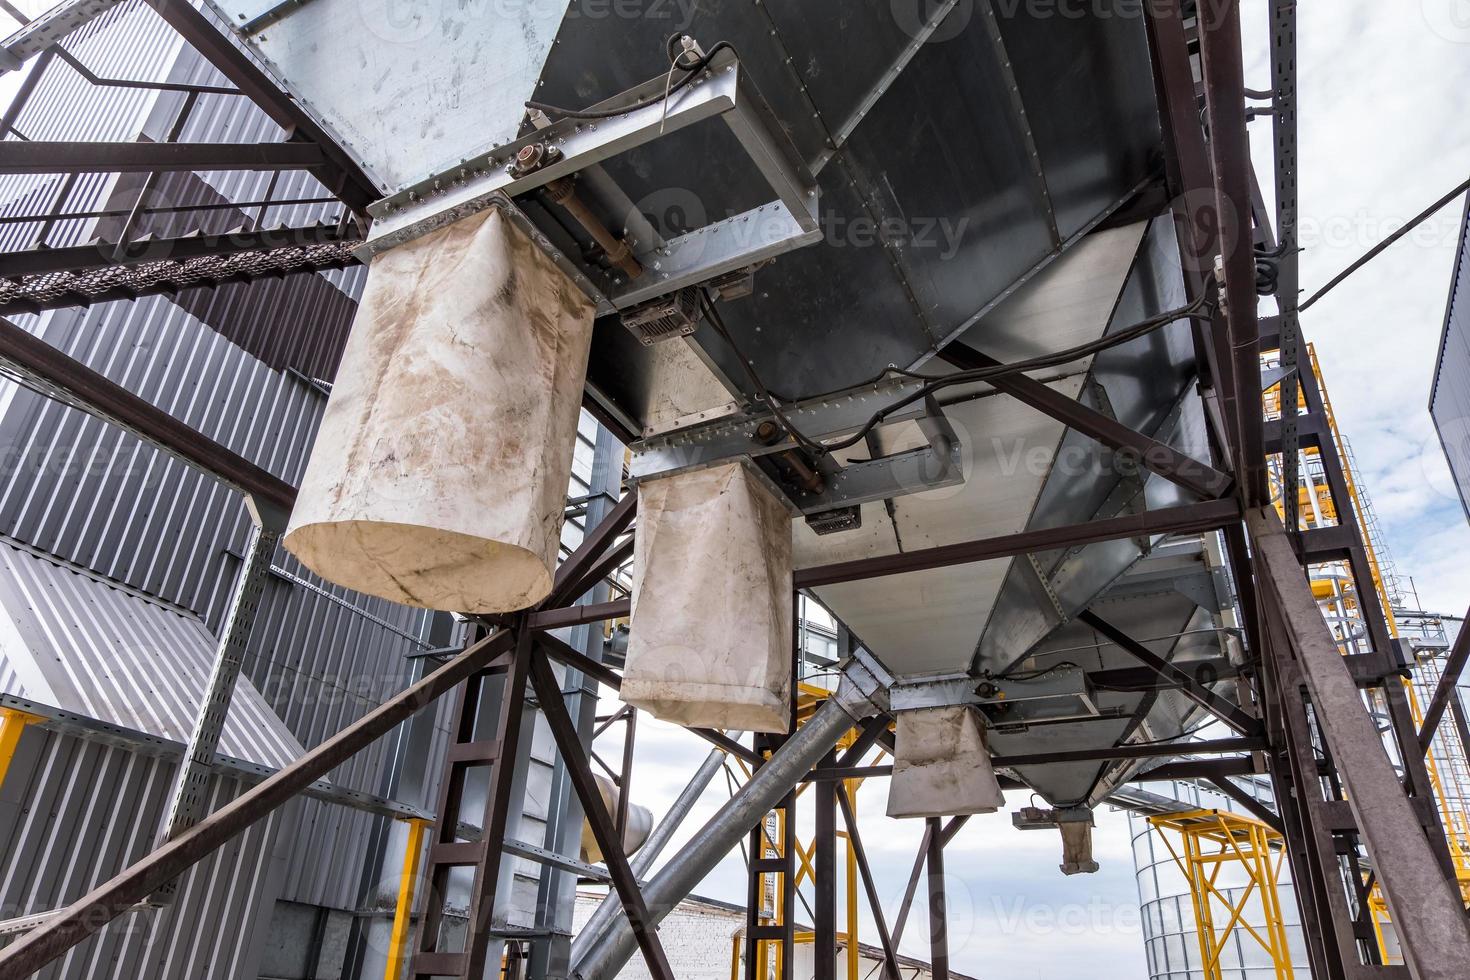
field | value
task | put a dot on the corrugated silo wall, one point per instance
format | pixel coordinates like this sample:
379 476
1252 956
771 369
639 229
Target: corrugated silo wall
1449 403
321 655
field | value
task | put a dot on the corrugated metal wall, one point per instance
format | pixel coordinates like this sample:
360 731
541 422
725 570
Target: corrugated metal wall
1450 402
240 365
73 813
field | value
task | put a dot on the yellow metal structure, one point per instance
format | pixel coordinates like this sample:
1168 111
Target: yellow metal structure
1336 592
1212 841
12 724
769 951
398 940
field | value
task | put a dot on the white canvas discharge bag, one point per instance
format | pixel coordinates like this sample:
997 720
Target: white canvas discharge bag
439 475
710 642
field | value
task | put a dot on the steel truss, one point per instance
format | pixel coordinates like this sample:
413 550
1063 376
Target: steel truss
129 263
1348 818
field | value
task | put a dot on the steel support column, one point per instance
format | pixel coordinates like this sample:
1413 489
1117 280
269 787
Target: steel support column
770 783
1426 908
191 788
472 752
824 880
1224 84
557 888
938 911
609 841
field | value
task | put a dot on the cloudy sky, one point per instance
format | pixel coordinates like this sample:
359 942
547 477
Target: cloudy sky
1381 138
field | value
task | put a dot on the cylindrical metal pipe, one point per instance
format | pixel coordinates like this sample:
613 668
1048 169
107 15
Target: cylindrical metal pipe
610 952
649 852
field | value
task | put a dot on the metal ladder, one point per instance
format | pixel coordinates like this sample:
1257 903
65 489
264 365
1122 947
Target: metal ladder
772 885
474 780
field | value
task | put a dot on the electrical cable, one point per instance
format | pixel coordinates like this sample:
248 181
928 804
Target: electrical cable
717 322
1031 675
1174 738
1376 250
937 382
669 89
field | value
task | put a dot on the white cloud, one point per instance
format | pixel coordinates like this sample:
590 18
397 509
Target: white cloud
1378 144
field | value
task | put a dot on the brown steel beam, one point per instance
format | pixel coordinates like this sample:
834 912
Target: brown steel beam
1137 679
1427 911
1198 769
594 543
450 855
907 904
1224 85
1147 750
1190 518
563 652
1199 693
111 899
938 905
1152 455
870 886
74 383
1187 519
341 174
645 927
824 881
43 157
593 612
1192 186
1252 805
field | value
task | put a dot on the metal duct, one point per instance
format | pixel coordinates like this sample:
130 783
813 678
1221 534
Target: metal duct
857 698
649 852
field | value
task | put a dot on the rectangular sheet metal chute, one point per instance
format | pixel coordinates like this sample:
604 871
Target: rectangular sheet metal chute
567 146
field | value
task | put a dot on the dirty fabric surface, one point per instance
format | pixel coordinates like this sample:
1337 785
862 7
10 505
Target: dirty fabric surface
710 638
439 475
942 767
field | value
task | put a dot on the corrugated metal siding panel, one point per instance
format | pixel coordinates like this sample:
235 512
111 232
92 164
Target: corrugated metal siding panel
129 41
114 655
150 522
1450 402
74 813
301 321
